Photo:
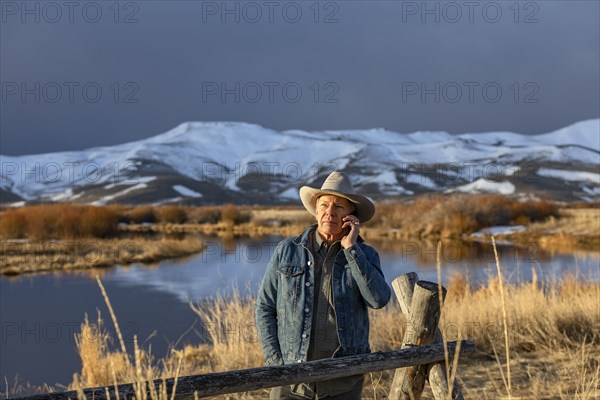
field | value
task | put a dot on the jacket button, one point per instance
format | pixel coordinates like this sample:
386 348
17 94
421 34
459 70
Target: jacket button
353 252
299 361
307 283
308 263
306 309
304 335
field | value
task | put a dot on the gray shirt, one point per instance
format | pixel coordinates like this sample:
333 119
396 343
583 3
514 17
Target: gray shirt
324 336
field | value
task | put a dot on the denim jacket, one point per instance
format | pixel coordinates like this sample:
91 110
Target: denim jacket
284 305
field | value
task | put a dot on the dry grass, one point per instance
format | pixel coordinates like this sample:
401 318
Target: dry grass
553 330
100 364
455 215
231 331
26 257
577 229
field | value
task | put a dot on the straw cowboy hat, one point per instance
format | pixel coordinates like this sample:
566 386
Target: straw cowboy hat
338 184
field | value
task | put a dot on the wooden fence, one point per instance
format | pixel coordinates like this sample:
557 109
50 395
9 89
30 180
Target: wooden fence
422 357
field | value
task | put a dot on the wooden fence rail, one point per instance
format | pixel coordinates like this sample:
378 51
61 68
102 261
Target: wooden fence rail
265 377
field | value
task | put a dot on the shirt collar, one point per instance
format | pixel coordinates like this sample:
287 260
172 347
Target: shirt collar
319 243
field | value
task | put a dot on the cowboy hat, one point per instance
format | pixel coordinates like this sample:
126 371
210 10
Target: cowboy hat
338 184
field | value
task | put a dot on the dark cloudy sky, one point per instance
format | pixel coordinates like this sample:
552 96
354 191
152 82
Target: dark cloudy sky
83 74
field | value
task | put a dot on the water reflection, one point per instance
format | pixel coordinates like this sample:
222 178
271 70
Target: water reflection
223 266
230 263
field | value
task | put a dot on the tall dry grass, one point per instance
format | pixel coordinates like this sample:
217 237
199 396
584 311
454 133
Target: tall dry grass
230 326
553 328
102 365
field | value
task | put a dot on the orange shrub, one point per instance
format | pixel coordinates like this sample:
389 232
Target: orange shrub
172 214
232 215
204 214
142 214
99 222
68 222
12 224
533 211
59 221
41 221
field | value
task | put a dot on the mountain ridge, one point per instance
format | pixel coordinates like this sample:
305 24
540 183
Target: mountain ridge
215 162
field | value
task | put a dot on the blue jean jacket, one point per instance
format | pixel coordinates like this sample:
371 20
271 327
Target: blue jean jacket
284 305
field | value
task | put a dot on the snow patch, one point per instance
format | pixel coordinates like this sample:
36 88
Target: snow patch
132 181
291 193
593 191
67 195
171 200
499 230
575 176
482 185
110 197
421 180
386 181
184 191
511 170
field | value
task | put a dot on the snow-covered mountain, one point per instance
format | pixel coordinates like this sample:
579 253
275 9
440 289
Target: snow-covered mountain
217 162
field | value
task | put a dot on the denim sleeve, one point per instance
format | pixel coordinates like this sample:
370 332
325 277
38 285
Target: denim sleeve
366 271
266 313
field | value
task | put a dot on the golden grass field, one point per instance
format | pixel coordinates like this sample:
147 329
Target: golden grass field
553 332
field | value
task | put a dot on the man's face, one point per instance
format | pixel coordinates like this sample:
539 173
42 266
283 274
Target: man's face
330 210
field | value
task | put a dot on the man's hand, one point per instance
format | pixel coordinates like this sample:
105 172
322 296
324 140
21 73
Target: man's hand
351 224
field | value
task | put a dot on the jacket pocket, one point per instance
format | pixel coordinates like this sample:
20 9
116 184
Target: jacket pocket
291 277
289 270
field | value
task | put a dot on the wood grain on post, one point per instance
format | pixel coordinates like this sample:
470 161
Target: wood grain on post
404 286
265 377
422 322
438 381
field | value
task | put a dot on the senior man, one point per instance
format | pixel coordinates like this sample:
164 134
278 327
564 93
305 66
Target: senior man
312 303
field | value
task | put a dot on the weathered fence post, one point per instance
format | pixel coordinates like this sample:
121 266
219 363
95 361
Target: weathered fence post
421 330
404 286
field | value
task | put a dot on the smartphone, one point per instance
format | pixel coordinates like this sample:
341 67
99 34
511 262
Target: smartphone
347 229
